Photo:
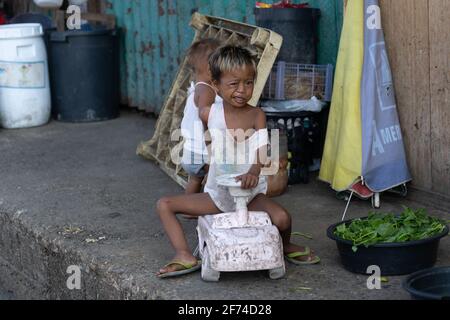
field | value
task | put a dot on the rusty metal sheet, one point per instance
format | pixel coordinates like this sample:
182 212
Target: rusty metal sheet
155 36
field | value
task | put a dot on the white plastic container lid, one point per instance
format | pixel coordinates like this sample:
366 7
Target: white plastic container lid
21 30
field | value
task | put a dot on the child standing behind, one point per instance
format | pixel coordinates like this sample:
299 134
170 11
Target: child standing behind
201 95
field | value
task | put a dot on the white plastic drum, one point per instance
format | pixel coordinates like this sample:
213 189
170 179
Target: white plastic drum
24 84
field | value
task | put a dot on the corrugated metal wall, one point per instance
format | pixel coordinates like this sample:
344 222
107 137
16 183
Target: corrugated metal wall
156 34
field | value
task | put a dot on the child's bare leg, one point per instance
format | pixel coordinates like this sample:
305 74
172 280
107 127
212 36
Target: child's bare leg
194 185
280 218
168 207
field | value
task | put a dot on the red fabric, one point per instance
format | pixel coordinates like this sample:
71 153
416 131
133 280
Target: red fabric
282 4
288 4
361 190
2 18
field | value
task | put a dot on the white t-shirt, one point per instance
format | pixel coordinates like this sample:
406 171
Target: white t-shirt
192 128
242 155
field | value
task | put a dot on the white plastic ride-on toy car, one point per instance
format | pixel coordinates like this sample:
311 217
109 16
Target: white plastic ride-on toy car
239 241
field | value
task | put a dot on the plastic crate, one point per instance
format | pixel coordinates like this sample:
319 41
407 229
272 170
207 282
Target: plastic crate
295 81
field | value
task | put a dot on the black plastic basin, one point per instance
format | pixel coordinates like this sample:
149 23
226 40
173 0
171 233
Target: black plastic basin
430 284
392 258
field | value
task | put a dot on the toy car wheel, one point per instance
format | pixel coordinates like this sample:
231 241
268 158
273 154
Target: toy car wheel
208 274
277 273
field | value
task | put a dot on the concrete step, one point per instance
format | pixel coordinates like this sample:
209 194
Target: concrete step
77 195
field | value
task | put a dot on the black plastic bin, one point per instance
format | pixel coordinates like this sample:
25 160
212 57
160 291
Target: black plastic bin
84 75
298 26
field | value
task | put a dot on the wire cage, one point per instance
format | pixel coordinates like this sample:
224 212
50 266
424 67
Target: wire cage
295 81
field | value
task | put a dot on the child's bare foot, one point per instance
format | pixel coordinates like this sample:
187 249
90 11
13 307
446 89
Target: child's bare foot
300 254
183 261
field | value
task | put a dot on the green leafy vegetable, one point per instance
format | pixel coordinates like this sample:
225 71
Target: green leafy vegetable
378 228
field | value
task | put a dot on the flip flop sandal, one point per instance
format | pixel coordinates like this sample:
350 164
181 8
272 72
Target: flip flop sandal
304 235
188 268
301 234
291 257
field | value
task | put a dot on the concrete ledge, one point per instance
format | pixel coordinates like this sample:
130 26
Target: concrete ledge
36 268
76 194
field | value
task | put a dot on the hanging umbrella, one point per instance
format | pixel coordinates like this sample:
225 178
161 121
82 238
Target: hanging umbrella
364 150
